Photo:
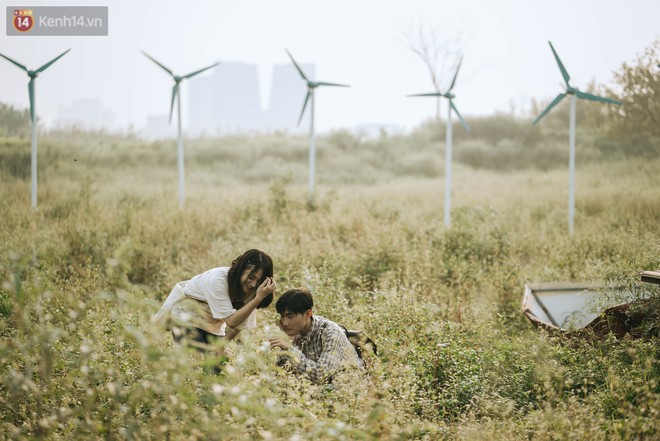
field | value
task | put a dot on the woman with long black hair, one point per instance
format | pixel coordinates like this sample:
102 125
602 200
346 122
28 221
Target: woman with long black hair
221 301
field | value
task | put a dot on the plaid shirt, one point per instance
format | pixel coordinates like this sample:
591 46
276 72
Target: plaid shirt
323 351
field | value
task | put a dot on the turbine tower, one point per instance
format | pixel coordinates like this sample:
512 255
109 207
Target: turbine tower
573 92
311 86
177 95
33 74
448 153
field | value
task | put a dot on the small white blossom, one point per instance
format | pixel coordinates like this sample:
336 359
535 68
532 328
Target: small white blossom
112 388
265 434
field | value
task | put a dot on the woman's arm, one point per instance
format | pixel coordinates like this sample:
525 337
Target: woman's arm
230 333
266 287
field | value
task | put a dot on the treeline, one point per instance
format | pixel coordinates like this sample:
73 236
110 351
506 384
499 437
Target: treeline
14 123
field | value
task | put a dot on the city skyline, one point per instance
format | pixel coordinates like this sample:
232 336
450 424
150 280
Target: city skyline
226 101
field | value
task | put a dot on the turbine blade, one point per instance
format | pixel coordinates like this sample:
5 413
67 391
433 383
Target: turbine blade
455 75
304 106
467 128
14 62
31 92
175 90
168 70
550 106
47 65
427 94
588 96
332 84
296 64
561 66
190 75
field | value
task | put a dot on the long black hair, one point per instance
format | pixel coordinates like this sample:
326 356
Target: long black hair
255 260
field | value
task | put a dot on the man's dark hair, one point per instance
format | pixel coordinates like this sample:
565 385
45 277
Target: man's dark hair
296 300
257 260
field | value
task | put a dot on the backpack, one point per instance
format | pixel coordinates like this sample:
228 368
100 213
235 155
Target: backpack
360 341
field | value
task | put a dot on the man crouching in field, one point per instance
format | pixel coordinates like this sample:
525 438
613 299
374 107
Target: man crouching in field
320 348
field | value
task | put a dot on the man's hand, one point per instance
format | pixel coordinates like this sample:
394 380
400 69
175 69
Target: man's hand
279 342
266 287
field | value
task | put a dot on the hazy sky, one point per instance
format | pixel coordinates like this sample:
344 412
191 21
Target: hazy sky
357 42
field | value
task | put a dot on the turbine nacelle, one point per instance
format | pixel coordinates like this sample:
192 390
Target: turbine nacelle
569 90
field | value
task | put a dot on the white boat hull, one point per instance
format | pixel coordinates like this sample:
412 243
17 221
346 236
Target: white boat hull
570 307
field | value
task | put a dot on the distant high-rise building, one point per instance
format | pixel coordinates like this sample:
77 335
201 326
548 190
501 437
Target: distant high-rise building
159 127
287 95
202 100
84 113
228 100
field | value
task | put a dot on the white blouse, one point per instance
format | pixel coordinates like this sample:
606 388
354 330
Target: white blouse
203 302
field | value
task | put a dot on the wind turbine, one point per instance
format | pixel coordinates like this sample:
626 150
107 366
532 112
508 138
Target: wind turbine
311 86
573 92
450 96
177 95
33 74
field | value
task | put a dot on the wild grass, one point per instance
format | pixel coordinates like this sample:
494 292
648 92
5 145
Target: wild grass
84 272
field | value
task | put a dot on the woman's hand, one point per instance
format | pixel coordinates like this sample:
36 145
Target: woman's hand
238 317
266 287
